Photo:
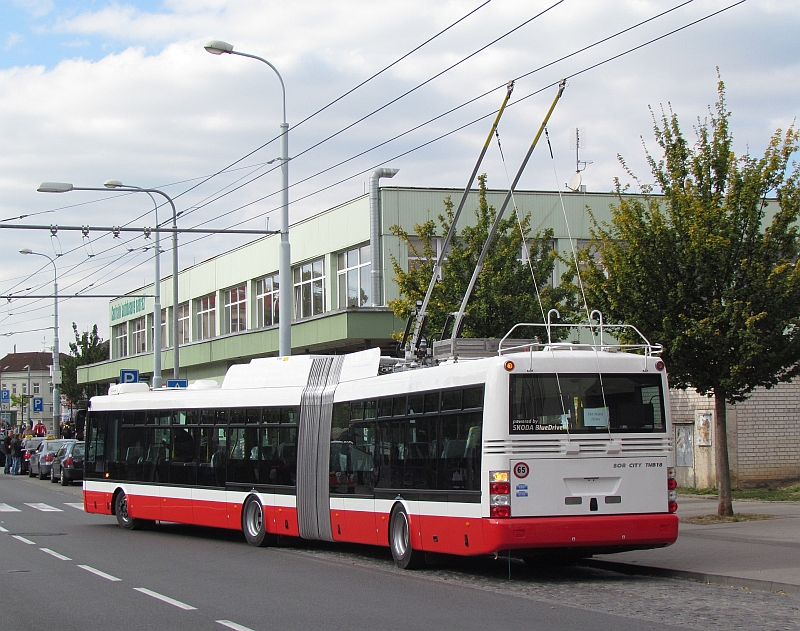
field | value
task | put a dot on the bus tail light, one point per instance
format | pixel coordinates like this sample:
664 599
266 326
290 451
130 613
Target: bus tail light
499 494
672 490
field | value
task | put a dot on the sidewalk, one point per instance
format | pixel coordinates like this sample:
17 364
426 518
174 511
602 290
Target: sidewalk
762 555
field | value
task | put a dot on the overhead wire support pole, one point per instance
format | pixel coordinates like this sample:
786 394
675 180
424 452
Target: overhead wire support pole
479 265
411 344
146 231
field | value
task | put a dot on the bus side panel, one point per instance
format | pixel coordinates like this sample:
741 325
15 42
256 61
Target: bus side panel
338 523
360 519
144 503
383 511
286 516
210 508
453 534
235 500
176 504
95 501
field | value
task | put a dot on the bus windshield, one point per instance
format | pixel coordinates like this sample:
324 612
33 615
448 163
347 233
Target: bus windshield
586 403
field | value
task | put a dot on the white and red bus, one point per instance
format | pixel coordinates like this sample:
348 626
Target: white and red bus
550 449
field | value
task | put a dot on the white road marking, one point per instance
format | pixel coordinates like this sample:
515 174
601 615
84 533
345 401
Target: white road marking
45 508
55 554
5 508
3 529
78 505
99 573
24 540
233 625
166 599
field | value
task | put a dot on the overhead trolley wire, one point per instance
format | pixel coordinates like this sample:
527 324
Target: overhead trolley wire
481 118
435 118
307 118
391 102
461 127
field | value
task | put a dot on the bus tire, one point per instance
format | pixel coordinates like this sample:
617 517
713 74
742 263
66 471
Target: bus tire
404 555
254 525
121 511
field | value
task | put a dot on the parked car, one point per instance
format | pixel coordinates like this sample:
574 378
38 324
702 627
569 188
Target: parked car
42 459
29 447
68 463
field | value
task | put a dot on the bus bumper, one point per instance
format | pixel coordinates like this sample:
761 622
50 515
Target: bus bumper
601 533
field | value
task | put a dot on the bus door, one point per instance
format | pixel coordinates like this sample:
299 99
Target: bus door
209 498
360 480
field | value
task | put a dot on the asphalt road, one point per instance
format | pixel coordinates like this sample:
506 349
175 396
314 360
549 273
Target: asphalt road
64 570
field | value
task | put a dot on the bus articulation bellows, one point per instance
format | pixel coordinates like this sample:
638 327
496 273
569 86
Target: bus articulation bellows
544 449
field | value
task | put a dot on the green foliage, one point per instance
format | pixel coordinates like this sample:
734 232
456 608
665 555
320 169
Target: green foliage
504 293
700 269
88 348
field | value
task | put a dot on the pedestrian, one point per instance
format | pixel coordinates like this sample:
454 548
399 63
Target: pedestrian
16 454
7 451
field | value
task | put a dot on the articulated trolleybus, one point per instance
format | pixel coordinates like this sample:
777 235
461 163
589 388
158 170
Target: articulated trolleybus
540 449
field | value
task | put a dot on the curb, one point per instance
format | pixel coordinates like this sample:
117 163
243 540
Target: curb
700 577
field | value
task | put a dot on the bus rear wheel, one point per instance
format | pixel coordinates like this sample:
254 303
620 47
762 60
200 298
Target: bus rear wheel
121 511
254 525
404 555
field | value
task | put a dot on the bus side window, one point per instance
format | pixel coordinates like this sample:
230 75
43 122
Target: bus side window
459 459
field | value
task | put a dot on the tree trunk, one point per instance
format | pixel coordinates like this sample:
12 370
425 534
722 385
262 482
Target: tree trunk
723 470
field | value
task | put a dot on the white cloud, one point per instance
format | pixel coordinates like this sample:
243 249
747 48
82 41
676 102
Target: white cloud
37 8
162 110
12 40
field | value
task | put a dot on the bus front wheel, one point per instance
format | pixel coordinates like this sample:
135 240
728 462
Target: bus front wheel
254 525
121 511
404 555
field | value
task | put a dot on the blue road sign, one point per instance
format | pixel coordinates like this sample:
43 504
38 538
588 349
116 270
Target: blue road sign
38 404
5 396
128 376
177 383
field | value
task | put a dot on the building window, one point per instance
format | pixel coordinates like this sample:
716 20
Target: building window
235 308
13 388
416 252
138 333
35 387
183 323
120 335
267 301
309 289
353 277
206 315
164 333
24 388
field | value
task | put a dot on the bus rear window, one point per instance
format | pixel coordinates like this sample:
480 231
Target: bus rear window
586 403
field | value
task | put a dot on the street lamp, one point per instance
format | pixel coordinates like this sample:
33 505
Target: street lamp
109 185
56 366
217 47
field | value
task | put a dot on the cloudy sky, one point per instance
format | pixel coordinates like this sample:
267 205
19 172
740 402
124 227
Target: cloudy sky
92 90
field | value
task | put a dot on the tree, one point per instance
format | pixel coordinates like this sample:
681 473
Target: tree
702 270
504 293
88 348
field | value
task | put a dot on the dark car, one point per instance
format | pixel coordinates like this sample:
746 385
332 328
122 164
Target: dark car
68 463
29 447
42 459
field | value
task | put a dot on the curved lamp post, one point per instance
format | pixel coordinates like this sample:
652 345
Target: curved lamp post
56 366
110 185
217 47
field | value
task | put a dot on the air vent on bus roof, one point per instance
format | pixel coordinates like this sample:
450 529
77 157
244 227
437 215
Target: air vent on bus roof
127 388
